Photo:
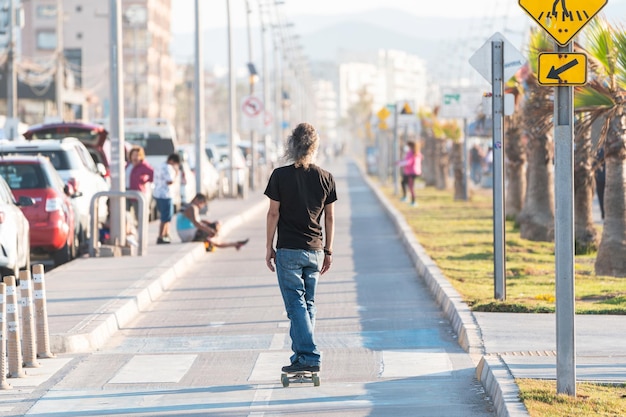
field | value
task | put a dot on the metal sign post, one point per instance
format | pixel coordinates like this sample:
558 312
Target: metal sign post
566 19
564 237
497 83
497 61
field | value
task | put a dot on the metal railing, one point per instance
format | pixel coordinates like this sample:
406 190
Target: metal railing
142 218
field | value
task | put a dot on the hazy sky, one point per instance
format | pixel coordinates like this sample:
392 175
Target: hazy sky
214 11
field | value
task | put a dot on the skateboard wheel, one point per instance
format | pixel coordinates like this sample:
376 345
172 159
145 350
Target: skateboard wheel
316 380
285 380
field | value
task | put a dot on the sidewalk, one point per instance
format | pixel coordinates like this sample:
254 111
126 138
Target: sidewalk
510 345
89 299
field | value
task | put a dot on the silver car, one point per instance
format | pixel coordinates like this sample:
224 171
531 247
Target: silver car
14 232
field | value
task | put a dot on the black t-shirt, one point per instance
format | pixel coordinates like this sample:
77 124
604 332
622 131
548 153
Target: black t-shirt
303 194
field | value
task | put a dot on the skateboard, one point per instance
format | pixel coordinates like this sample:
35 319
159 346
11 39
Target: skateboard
301 377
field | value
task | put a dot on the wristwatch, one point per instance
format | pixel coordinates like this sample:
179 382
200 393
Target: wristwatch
328 252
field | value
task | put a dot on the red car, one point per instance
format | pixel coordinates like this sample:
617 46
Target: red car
51 218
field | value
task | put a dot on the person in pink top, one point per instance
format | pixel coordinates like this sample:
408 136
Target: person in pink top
139 175
412 167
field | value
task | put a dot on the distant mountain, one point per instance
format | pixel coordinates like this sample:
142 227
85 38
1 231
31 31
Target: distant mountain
440 41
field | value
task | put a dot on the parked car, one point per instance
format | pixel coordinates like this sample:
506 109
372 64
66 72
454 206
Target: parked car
51 218
76 167
220 157
210 175
94 136
14 232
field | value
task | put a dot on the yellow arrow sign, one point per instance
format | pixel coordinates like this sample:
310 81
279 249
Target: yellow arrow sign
383 126
562 69
562 19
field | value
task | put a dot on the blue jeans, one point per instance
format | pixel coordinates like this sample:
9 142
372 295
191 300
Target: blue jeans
298 271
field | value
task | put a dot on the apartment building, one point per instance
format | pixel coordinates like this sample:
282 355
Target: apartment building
82 33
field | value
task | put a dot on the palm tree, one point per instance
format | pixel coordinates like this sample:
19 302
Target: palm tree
452 131
603 99
428 121
536 220
515 148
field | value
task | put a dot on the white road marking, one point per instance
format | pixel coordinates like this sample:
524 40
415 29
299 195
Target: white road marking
153 369
267 366
410 363
36 376
278 341
262 397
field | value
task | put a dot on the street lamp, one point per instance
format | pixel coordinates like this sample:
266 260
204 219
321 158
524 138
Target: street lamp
199 93
231 102
136 17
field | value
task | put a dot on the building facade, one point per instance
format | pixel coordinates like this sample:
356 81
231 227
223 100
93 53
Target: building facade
82 32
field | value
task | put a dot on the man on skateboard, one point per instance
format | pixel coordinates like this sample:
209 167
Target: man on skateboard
299 194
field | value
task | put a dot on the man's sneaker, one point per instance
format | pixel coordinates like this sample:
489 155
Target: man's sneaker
300 367
161 241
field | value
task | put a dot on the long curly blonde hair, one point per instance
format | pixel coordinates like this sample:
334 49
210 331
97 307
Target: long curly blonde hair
302 145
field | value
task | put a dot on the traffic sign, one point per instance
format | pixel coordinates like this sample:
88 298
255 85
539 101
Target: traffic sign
460 102
251 106
513 59
252 114
383 113
562 69
562 19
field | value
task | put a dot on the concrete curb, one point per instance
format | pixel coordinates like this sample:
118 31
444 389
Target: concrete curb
500 384
495 377
95 331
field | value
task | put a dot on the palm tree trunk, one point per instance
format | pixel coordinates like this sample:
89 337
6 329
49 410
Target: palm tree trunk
515 172
429 162
459 171
441 158
611 258
536 220
585 233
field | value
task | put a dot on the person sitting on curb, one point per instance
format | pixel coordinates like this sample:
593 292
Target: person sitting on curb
191 228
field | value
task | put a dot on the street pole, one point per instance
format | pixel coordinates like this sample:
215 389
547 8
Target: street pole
117 206
564 237
11 77
465 161
497 71
394 151
199 93
251 80
231 102
135 71
60 76
266 92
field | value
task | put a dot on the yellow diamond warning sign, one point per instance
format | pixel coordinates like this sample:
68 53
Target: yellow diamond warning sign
562 19
562 69
383 113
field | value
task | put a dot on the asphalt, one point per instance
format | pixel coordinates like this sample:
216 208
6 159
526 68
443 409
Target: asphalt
89 299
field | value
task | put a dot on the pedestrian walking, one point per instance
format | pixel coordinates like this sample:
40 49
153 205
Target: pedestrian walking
164 178
299 195
412 168
476 163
